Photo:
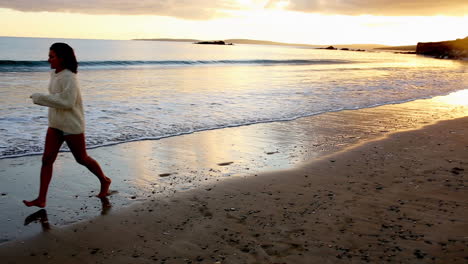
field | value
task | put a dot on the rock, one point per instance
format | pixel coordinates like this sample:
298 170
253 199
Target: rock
456 170
225 163
419 254
216 42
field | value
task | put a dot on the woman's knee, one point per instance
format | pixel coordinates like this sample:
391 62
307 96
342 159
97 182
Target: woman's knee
48 159
83 160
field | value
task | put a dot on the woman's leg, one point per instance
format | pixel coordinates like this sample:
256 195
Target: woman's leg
77 145
54 139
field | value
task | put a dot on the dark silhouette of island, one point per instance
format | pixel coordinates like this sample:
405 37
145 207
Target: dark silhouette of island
215 42
453 49
346 49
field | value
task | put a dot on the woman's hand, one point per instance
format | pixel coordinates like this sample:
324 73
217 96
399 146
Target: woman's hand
35 97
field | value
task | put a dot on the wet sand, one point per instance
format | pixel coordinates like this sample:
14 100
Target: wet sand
206 198
399 200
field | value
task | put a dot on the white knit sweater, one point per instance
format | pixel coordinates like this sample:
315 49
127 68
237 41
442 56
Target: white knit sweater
64 102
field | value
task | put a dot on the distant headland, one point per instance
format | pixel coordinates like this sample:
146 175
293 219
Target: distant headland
454 49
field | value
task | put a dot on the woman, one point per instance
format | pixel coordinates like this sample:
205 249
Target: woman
66 120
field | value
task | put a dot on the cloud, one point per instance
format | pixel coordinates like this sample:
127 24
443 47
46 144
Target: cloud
377 7
208 9
187 9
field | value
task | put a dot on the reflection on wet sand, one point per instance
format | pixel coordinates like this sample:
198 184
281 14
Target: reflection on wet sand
39 216
106 205
459 98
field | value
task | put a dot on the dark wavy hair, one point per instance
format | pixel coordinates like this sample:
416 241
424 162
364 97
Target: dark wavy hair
66 53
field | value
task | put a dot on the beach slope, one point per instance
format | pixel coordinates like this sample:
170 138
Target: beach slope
401 199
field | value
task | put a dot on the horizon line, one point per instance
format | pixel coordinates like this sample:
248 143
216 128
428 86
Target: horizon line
180 39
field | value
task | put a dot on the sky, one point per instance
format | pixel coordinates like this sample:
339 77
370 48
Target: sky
389 22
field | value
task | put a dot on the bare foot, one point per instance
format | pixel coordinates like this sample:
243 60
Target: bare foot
36 202
105 188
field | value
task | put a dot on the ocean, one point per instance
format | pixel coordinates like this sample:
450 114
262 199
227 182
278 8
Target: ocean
140 90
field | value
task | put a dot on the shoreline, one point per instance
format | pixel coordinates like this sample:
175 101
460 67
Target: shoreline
151 170
450 94
398 199
149 173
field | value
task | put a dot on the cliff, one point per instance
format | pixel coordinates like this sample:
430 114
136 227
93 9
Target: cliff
456 49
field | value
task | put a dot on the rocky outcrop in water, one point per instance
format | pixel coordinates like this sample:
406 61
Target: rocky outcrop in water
455 49
216 42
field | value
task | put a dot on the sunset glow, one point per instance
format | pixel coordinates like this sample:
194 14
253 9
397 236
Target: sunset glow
283 21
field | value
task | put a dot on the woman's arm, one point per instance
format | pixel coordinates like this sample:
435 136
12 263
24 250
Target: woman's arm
63 100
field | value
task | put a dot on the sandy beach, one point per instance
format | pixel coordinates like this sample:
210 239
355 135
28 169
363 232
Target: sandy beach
397 195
